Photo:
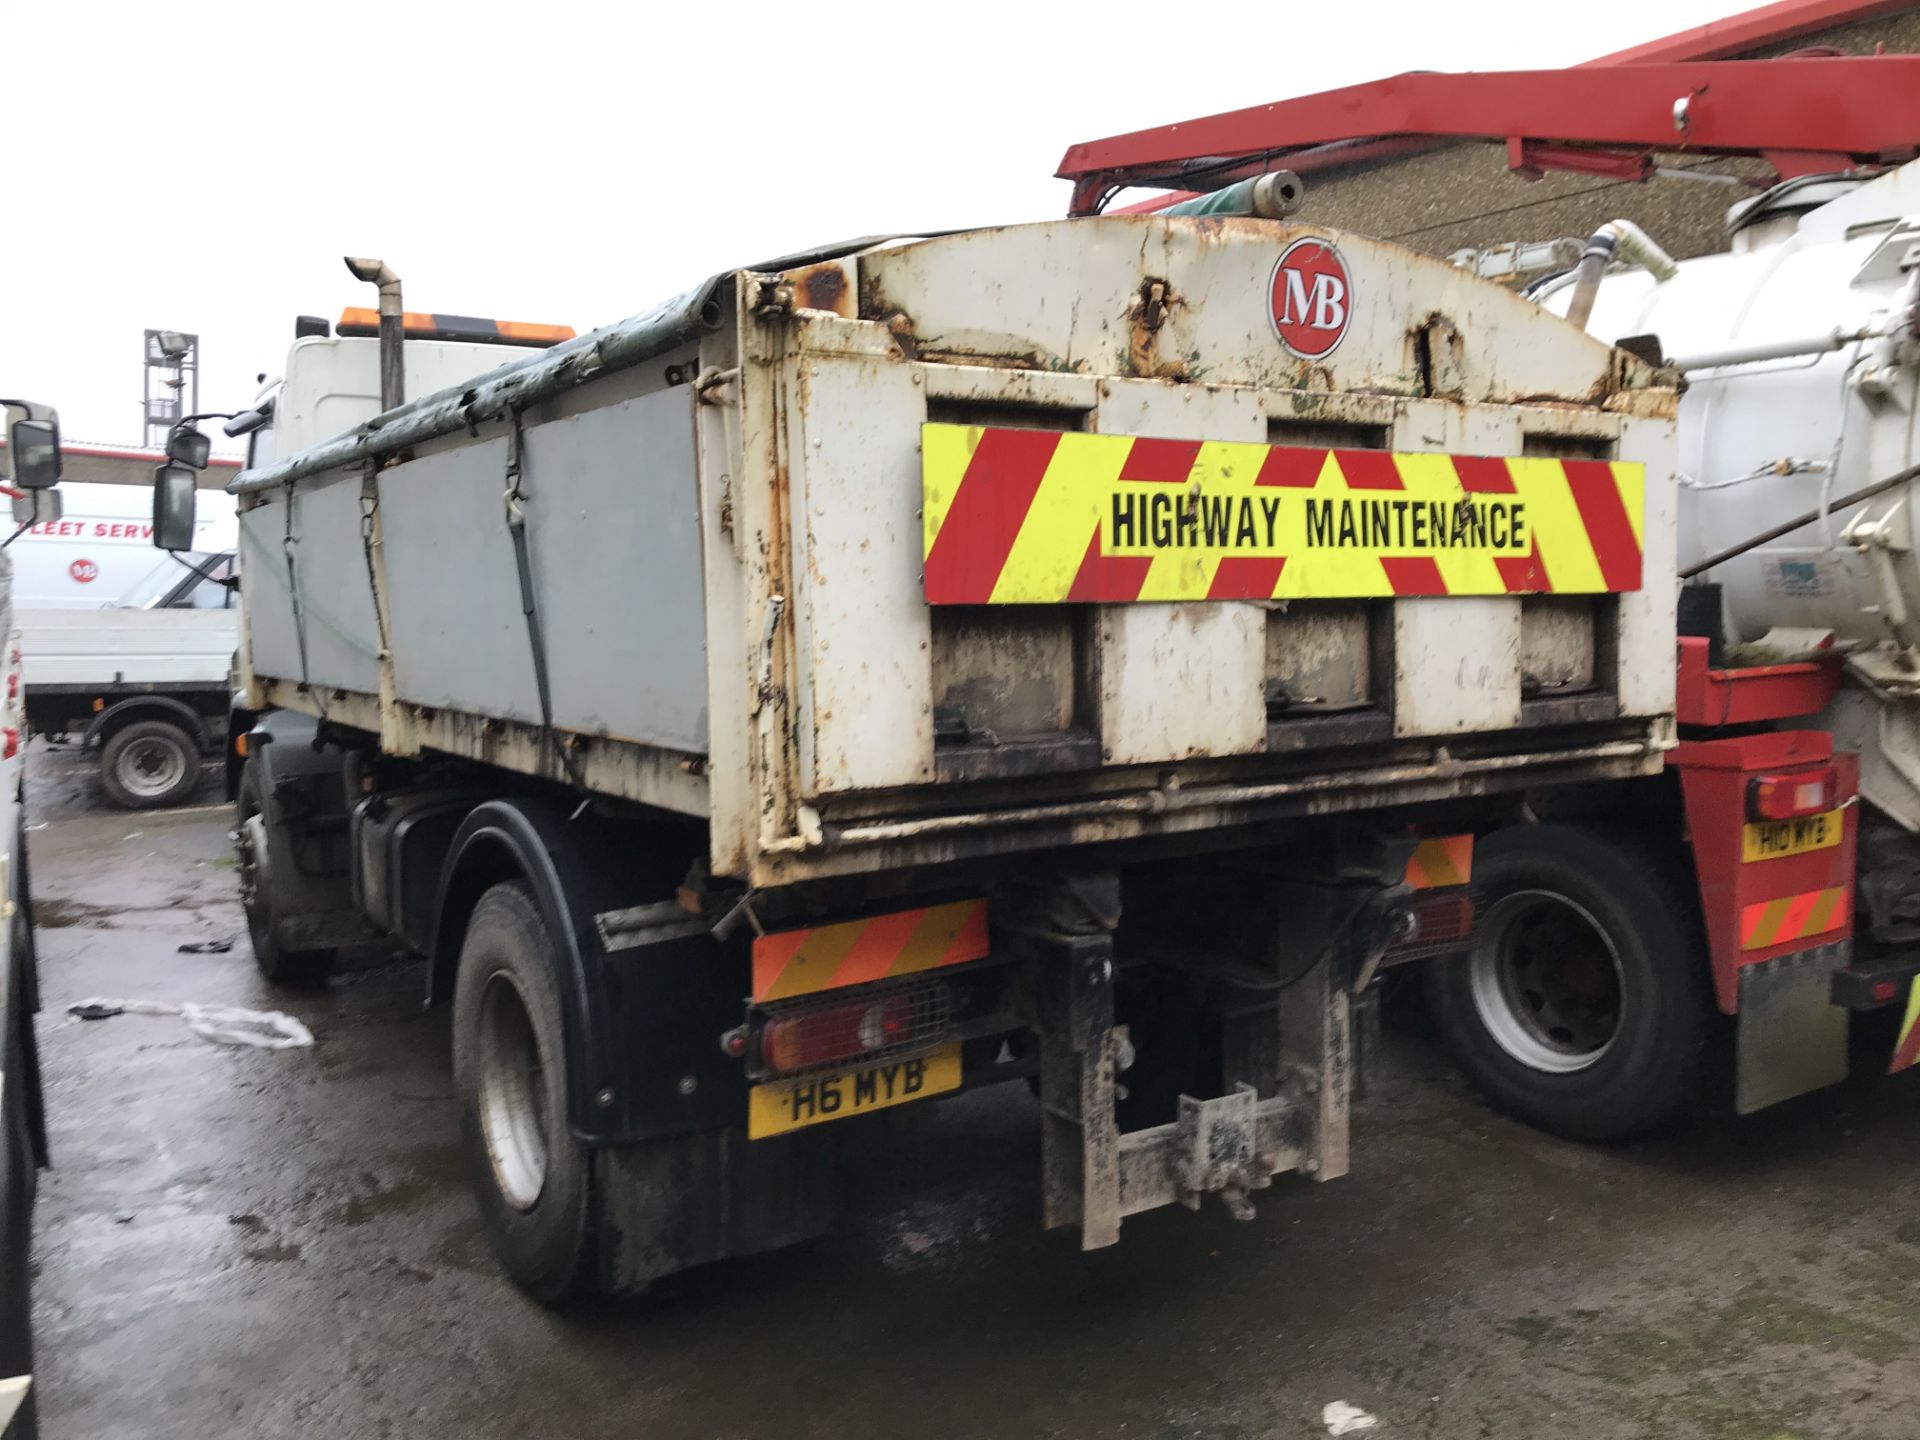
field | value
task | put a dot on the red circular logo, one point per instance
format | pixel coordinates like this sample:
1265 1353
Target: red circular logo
85 571
1311 299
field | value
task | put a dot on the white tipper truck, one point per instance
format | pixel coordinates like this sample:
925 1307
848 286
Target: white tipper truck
1076 653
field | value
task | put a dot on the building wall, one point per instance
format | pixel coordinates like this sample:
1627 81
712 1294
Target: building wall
1462 196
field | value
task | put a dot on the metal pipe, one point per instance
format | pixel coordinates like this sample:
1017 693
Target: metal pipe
1273 196
1835 339
1617 239
393 371
1787 527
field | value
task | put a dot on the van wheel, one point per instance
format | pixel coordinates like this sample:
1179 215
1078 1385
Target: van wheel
254 850
534 1181
1581 1005
148 764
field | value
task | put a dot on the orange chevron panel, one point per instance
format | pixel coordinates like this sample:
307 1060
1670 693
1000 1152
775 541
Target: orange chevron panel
790 963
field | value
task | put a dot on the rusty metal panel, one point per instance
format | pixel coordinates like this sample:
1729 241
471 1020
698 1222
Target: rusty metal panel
863 681
1320 654
1006 672
1558 634
1053 297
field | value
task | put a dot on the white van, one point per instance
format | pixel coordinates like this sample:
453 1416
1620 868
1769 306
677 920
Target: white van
100 554
124 647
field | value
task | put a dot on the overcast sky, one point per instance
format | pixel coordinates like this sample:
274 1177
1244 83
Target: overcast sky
203 165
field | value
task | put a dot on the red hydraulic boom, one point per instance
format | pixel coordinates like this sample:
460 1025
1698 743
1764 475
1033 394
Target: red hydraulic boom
1802 115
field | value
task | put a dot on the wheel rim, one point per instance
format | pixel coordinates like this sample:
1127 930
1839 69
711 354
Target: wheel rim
1547 981
513 1093
150 768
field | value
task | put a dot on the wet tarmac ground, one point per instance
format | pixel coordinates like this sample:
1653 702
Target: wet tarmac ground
243 1243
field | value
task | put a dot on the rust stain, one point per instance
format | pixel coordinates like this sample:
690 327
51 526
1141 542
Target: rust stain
1147 312
823 287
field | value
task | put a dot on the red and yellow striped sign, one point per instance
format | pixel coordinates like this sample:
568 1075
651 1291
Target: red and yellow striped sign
1025 517
1793 917
855 952
1907 1049
1441 862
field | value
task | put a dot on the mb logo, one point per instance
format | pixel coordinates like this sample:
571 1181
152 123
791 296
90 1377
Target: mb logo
1312 299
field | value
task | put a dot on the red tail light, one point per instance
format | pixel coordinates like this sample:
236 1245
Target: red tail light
1784 797
13 685
1441 922
9 743
827 1037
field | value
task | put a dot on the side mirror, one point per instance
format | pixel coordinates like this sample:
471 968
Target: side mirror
245 423
38 507
188 446
175 489
35 445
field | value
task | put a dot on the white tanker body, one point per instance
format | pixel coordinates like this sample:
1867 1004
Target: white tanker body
1803 371
1813 396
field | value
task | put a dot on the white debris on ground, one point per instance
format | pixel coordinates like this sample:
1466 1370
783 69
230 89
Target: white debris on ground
222 1024
1340 1418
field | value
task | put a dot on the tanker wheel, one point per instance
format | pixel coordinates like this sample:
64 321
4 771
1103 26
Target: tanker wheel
1581 1005
254 850
148 764
533 1179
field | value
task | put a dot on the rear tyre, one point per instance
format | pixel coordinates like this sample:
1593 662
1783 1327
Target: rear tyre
534 1181
258 847
1581 1006
148 764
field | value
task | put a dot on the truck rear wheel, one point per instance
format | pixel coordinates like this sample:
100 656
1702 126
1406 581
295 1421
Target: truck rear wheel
148 764
1581 1005
255 849
534 1181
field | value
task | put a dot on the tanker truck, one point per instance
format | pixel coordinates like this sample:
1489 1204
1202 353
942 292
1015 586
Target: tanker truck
1076 654
1799 687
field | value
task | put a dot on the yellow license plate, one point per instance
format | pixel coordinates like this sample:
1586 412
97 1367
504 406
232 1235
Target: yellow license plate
785 1105
1773 839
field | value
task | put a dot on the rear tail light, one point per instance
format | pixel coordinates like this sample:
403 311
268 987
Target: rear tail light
1440 923
13 685
1785 797
876 1027
9 743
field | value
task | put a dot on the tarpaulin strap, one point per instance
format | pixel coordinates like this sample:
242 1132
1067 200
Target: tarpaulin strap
517 528
369 514
287 544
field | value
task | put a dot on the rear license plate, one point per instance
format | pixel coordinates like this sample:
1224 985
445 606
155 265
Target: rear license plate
784 1105
1774 839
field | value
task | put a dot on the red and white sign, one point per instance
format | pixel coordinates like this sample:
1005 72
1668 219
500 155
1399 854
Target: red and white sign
85 571
1311 298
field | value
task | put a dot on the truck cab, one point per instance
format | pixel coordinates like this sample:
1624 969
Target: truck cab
331 380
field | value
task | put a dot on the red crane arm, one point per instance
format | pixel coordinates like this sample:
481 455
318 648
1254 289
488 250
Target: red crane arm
1801 114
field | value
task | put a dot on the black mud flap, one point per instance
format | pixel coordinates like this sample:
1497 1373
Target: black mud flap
685 1200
